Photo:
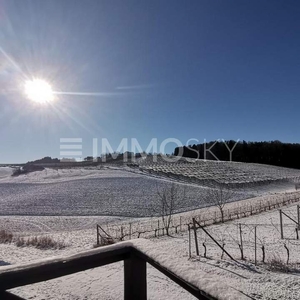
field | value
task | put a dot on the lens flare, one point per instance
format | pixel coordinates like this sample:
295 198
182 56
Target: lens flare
39 91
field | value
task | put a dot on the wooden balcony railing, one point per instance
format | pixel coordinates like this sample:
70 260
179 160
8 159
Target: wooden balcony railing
135 275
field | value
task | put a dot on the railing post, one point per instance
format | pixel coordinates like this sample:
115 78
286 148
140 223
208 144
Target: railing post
135 278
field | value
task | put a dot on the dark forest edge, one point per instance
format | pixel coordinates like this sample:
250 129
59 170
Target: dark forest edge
271 153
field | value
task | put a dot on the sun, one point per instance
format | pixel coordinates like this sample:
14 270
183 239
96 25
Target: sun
39 91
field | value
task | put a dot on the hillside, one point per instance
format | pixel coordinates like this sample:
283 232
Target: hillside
210 173
132 191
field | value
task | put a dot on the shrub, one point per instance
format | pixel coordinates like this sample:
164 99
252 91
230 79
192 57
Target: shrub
26 169
5 237
17 172
20 242
42 242
277 265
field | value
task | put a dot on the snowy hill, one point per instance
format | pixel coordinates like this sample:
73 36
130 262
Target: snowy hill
209 172
131 192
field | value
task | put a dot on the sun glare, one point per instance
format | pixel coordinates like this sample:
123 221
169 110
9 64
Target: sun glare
39 91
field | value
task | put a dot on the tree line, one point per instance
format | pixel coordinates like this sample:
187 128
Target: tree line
272 153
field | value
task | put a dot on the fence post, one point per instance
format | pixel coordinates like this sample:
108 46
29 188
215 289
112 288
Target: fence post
241 240
190 252
97 235
196 239
180 223
255 249
298 216
135 278
122 233
130 231
281 227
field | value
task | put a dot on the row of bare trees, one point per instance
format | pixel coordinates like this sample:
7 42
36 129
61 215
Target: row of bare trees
171 197
167 203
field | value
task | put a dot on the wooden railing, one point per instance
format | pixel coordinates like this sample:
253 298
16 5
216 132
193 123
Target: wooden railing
135 275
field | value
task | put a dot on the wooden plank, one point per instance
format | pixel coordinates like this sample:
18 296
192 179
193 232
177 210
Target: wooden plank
135 278
134 271
49 269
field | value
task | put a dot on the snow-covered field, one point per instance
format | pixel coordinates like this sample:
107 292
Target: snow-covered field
206 172
106 192
68 203
258 282
110 191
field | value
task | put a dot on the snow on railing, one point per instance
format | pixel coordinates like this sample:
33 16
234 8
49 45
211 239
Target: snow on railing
136 255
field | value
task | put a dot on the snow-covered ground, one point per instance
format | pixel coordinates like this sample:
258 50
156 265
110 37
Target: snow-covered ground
5 173
109 191
52 175
258 282
207 172
92 191
68 203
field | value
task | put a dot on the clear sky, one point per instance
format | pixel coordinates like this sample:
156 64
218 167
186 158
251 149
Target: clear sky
155 69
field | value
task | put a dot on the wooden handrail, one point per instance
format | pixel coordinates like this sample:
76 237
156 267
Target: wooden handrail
49 269
135 275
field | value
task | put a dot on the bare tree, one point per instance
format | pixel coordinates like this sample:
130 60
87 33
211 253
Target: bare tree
167 202
219 196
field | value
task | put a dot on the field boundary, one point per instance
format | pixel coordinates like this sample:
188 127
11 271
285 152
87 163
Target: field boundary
181 222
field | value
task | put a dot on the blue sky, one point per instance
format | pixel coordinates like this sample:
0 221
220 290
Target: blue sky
180 69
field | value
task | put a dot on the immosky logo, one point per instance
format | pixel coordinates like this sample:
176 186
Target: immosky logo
71 148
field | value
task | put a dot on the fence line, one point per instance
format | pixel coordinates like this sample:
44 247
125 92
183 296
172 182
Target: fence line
154 227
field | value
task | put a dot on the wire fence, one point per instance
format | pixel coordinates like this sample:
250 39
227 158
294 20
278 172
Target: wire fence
154 227
259 242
